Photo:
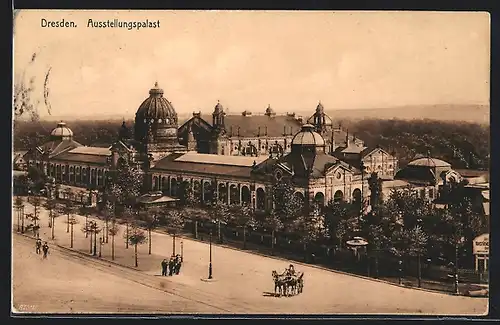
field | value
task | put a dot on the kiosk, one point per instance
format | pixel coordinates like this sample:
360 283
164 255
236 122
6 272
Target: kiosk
481 251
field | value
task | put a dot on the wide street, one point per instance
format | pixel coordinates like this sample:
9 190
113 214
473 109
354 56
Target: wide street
69 281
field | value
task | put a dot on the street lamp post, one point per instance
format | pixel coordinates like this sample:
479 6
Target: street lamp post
400 262
18 219
362 166
89 229
94 228
456 269
210 264
22 220
100 245
182 251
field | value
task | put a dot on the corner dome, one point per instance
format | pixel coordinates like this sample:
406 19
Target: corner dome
156 109
61 132
429 162
308 137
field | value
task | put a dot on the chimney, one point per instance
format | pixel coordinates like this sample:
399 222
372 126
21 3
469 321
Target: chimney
238 131
347 138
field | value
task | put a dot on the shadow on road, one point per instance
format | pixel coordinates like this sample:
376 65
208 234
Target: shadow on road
270 294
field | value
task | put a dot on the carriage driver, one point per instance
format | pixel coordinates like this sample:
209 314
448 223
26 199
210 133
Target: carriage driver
291 270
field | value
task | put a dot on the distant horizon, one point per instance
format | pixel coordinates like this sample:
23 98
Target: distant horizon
459 113
249 59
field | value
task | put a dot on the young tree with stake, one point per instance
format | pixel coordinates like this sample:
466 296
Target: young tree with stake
113 231
19 206
275 224
149 217
50 205
136 237
72 221
244 216
174 220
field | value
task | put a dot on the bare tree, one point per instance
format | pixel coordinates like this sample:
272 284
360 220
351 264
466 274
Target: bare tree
113 231
244 216
36 202
150 218
174 220
50 205
24 101
72 221
135 237
273 221
128 216
19 206
86 210
68 208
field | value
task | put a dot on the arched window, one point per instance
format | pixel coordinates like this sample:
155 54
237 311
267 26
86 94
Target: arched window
222 192
173 187
261 199
197 190
164 184
154 186
245 194
356 197
208 192
338 196
234 194
320 198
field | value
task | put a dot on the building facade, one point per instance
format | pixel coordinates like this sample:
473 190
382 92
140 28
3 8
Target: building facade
238 158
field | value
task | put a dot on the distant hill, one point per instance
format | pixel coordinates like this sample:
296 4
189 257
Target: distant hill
467 113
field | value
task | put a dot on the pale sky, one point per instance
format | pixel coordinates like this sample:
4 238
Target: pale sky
250 59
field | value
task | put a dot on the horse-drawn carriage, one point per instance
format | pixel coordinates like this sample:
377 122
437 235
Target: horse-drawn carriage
288 283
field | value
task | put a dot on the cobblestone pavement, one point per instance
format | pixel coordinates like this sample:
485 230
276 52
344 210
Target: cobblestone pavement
242 281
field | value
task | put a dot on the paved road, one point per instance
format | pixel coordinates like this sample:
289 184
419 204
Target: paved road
243 280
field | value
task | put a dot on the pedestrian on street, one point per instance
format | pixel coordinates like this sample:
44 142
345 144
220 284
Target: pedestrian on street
171 265
177 264
164 265
45 249
38 245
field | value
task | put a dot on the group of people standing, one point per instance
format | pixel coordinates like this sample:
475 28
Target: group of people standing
39 247
172 266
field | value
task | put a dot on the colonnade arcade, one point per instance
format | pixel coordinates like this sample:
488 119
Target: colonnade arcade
229 192
73 174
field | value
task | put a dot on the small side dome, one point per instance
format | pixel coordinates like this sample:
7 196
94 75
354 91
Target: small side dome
308 137
61 132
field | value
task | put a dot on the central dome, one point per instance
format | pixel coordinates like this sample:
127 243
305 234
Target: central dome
156 109
308 137
156 119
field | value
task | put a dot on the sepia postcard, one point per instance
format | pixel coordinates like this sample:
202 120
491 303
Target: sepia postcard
250 162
